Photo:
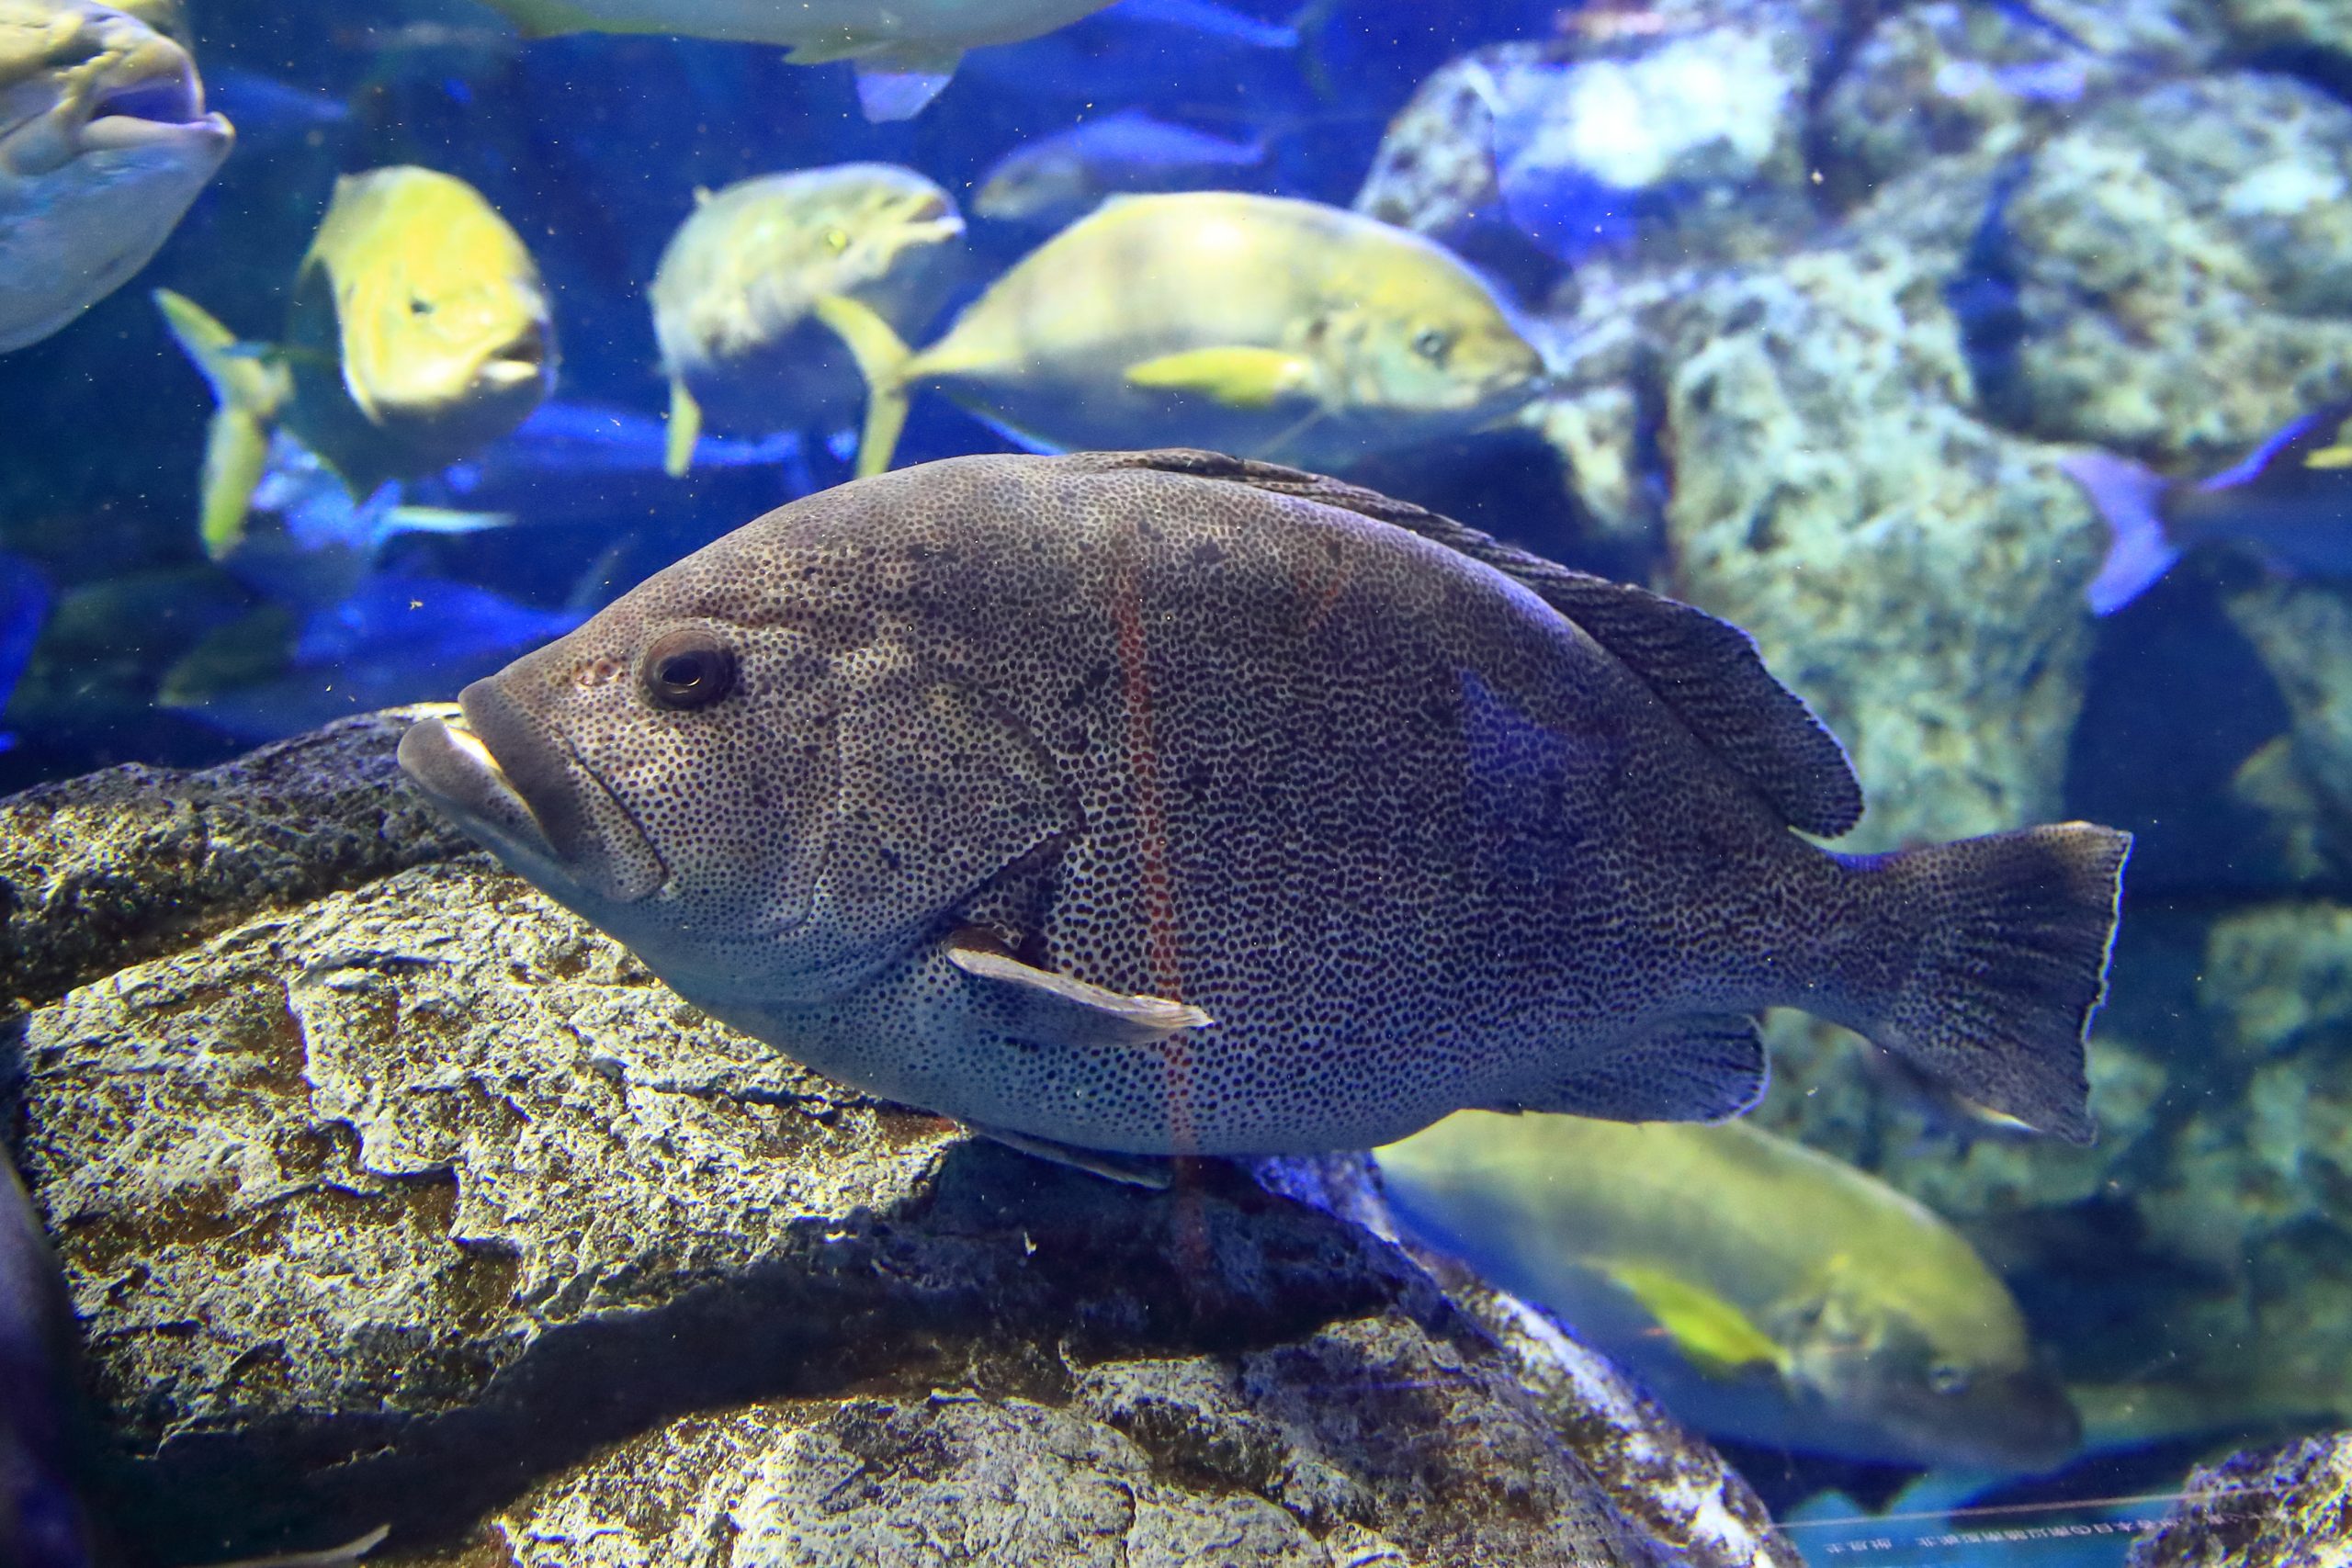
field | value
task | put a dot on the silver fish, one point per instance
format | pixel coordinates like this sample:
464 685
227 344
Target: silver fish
104 142
1162 803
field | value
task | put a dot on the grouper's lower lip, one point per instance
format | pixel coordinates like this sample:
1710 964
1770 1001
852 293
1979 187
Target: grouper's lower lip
450 762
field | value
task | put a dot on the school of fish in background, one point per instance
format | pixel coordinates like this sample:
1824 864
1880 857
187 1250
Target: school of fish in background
420 386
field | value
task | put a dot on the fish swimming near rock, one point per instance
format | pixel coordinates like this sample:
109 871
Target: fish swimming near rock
903 53
1057 178
1764 1291
1257 324
733 294
2288 501
1163 802
42 1521
418 332
105 142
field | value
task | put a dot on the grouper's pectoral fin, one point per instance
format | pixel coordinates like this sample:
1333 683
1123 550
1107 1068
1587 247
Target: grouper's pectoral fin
1691 1068
1135 1170
1238 376
1055 1009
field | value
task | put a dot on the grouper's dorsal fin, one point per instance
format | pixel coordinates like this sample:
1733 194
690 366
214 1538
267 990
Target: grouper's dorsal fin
1707 670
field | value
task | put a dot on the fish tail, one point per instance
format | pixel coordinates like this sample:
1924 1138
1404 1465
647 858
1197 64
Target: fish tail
2139 550
250 388
882 357
685 429
1983 961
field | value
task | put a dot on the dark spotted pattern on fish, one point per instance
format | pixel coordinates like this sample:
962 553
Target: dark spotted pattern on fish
1417 822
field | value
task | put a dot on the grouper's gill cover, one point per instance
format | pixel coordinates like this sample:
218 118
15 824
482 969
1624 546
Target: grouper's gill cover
1163 802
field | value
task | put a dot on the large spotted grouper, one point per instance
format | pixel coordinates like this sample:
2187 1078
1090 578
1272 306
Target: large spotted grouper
1163 802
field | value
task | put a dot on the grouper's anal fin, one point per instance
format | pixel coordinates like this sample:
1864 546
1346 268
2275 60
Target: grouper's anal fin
1706 670
1690 1068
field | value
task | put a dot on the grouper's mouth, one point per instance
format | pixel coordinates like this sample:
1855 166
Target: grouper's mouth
531 799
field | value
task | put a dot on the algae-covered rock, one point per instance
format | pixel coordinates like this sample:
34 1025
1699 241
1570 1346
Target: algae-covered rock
1912 571
388 1191
2184 266
2284 1507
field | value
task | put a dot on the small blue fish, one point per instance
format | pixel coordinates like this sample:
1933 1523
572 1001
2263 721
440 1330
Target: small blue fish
308 542
1057 178
575 438
1209 19
2289 502
397 638
262 106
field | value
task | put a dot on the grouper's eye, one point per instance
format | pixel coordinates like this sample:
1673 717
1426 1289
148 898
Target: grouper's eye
687 669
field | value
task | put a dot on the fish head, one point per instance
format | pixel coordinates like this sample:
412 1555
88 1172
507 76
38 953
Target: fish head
446 336
667 771
104 142
1939 1393
874 227
1431 339
1035 183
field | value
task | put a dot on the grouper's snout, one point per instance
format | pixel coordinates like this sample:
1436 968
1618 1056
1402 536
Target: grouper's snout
527 796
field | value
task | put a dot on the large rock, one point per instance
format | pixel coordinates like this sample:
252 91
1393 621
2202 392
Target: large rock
2185 264
2286 1507
1911 570
389 1190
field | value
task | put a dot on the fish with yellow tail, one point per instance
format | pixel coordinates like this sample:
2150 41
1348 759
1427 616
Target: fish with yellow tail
1274 328
104 144
1764 1291
1162 803
903 53
732 294
418 332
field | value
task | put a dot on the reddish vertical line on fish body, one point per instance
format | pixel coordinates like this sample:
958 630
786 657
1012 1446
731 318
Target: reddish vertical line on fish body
1151 823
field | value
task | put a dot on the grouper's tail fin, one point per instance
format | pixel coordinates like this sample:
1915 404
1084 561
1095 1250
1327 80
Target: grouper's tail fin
1998 959
882 357
251 388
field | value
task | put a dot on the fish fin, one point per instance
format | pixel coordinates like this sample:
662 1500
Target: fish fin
1235 375
2001 943
439 520
342 1556
1706 670
2126 495
1056 1010
249 387
1150 1171
685 429
1711 1333
897 83
882 357
1689 1067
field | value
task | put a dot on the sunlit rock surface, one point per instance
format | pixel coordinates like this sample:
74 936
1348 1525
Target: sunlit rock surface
387 1190
2287 1508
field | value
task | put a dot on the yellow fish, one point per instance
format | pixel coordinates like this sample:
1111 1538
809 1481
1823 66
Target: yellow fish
104 144
903 53
1253 324
1764 1291
732 294
418 334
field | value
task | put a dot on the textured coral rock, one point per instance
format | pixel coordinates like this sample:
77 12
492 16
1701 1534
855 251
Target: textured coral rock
388 1191
2287 1508
1912 571
2184 266
2289 25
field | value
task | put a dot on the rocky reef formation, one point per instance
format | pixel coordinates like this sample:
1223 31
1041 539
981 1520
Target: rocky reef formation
388 1191
1824 387
2286 1507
